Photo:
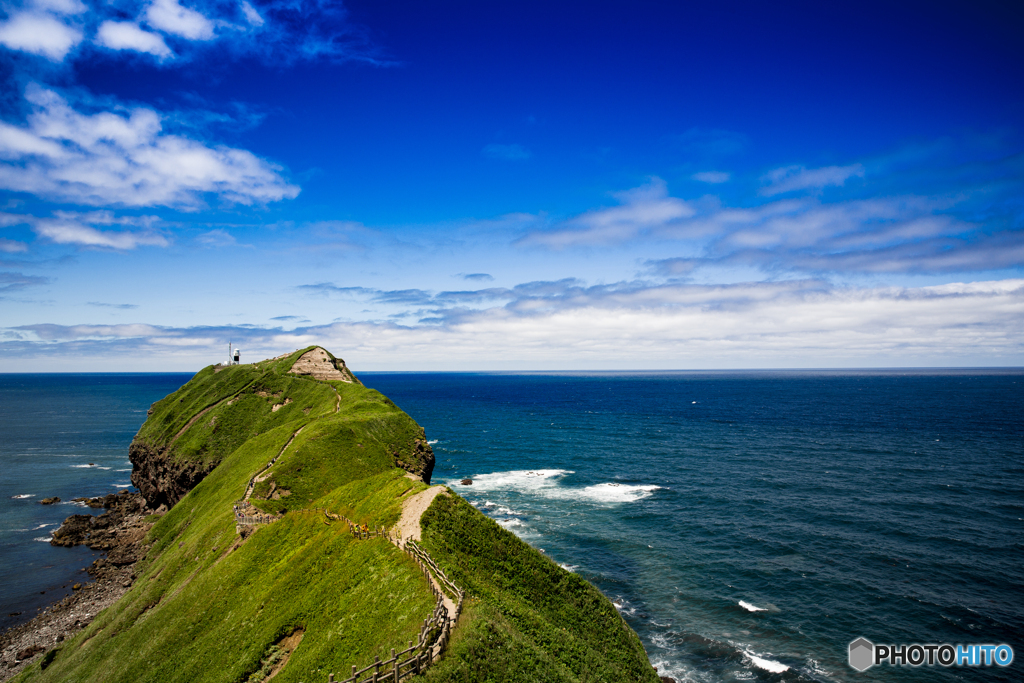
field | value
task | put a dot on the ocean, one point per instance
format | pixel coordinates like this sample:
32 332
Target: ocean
748 526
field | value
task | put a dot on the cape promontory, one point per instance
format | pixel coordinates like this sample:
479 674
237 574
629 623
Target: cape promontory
291 533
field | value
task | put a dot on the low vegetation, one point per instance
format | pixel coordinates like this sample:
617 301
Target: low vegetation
212 605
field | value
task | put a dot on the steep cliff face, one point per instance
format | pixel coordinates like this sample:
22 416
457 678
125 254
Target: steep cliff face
162 479
421 463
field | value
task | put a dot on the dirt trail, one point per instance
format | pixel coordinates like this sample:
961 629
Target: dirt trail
413 509
409 528
261 475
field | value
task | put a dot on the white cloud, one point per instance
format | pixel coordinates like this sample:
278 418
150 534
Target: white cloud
170 17
217 237
631 326
12 246
712 177
127 35
68 230
39 34
642 209
67 7
792 178
251 15
124 158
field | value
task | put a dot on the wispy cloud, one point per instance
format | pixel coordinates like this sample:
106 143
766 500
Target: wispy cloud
969 224
567 324
641 210
712 177
217 237
93 230
120 307
476 277
10 282
125 158
12 246
513 152
794 178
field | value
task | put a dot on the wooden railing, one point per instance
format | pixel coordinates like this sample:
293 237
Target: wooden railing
243 518
435 632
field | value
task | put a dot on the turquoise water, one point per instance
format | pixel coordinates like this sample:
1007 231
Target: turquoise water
747 526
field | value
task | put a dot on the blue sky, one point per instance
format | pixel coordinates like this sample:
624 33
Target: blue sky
472 186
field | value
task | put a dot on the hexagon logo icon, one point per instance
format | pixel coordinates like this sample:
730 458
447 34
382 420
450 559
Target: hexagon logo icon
862 654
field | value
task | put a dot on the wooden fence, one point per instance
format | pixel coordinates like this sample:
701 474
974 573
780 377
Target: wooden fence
244 519
435 632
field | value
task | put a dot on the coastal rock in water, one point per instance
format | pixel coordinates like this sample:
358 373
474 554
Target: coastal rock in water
106 531
49 501
466 482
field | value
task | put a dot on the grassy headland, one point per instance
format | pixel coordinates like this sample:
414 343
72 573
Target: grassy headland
210 604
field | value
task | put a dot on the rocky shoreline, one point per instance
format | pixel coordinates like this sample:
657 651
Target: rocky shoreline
121 533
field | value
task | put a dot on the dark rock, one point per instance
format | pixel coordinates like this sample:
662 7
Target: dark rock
160 478
101 532
49 501
419 462
466 482
76 587
30 652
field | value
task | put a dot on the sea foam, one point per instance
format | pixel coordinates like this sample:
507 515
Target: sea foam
617 493
751 608
766 664
547 483
519 480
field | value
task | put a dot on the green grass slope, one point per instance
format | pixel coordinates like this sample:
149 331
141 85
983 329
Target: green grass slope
529 619
210 605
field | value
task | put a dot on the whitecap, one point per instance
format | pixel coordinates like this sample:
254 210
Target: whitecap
43 526
431 443
89 465
751 608
121 486
569 567
44 539
617 493
509 523
23 495
519 480
766 664
127 470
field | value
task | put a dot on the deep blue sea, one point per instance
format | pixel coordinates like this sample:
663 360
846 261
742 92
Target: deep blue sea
747 525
